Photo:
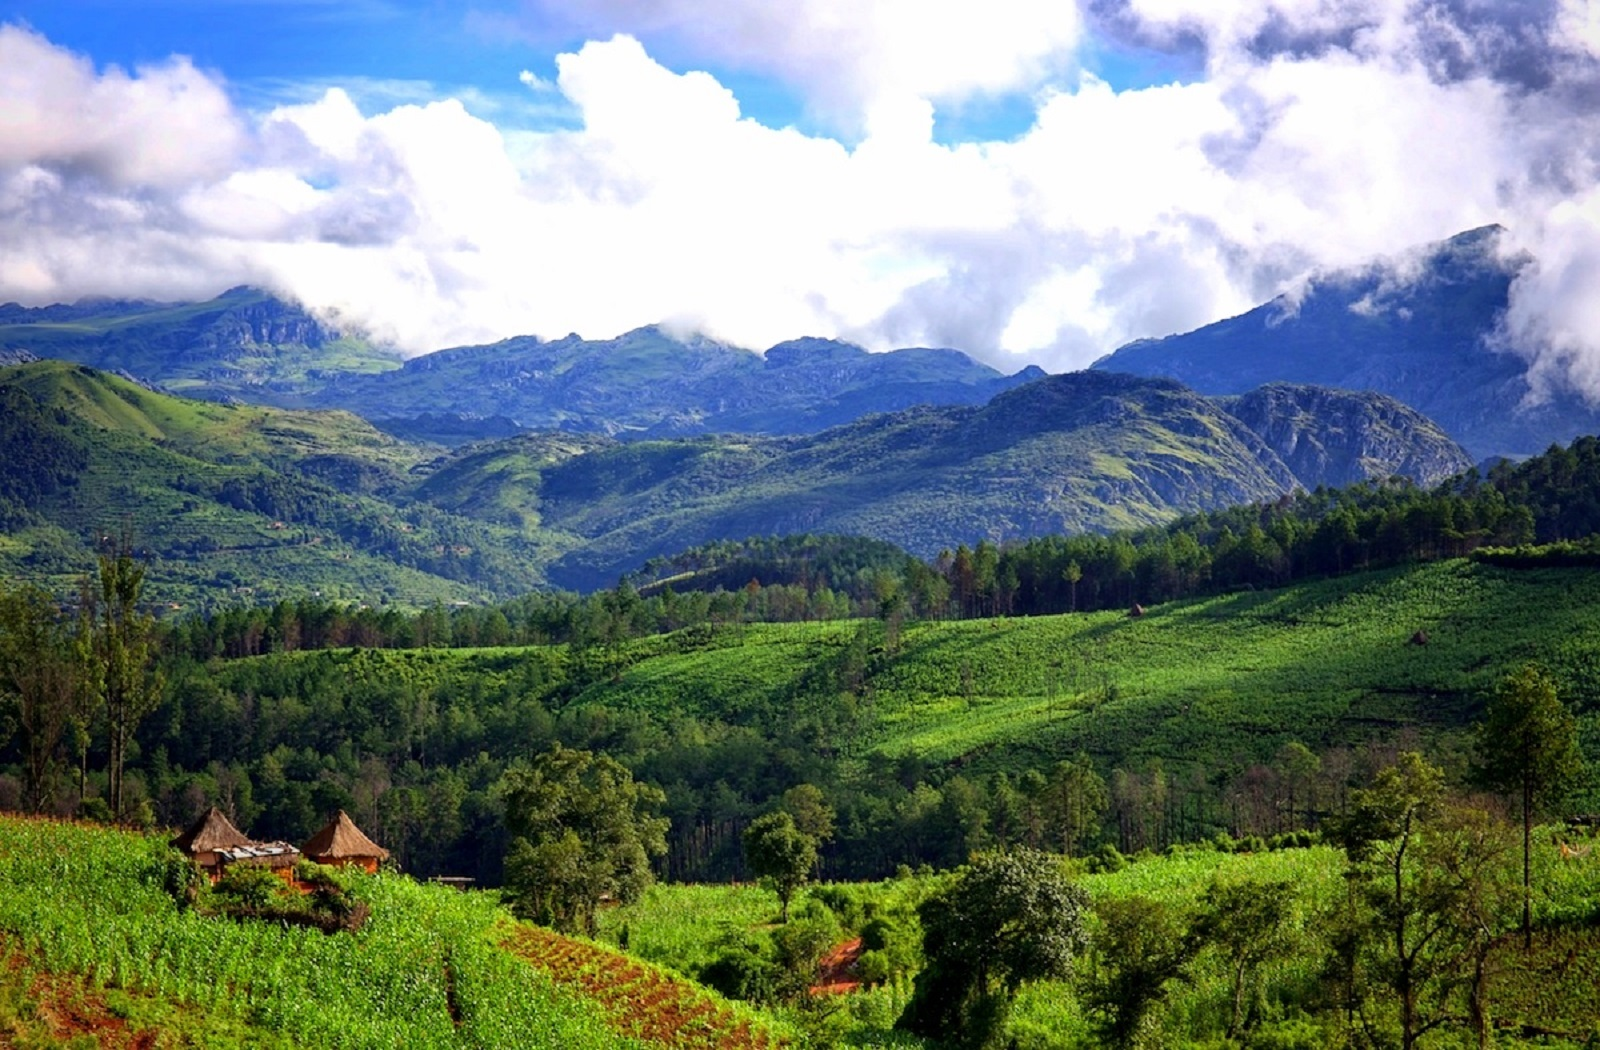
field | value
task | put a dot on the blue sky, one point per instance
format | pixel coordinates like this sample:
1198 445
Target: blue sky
389 51
1032 181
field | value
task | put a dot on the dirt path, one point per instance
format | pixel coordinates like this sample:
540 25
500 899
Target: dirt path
838 972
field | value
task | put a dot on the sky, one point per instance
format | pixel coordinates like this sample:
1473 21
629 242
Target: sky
1033 183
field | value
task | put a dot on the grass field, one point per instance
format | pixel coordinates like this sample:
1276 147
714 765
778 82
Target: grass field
1222 679
90 931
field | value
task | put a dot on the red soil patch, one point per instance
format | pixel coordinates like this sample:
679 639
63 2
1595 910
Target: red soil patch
838 971
638 1001
70 1010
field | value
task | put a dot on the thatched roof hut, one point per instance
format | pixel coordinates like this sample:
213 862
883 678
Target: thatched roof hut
209 835
340 843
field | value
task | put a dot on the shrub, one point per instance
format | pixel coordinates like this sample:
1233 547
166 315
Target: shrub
250 886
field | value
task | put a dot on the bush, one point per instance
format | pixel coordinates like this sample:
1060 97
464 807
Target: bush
741 973
844 901
1107 860
873 967
250 886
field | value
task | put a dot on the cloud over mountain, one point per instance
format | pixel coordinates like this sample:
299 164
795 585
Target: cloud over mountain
1313 134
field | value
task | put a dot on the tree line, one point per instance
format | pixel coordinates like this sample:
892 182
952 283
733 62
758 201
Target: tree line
1543 511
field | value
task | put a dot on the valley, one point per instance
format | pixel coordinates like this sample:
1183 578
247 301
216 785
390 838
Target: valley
806 644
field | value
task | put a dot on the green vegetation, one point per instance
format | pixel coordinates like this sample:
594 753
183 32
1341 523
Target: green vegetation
581 832
257 503
780 853
1250 714
425 971
1007 920
229 503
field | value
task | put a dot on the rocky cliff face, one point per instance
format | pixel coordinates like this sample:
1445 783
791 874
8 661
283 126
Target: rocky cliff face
268 322
1341 437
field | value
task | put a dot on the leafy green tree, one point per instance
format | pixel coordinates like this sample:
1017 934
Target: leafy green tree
1528 748
781 853
39 680
810 810
1074 804
1007 919
581 830
1427 879
1142 946
1248 924
1071 575
122 648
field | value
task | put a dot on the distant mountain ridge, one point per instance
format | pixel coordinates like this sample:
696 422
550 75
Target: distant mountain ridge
245 344
245 499
1423 337
250 346
1083 452
650 382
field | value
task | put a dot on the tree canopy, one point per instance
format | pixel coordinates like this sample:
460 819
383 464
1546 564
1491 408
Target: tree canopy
581 830
1008 918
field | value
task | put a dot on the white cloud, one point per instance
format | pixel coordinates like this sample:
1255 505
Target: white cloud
847 57
1116 215
162 126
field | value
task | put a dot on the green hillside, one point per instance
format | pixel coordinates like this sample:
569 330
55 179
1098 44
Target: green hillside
229 502
1216 682
1201 696
1087 452
430 967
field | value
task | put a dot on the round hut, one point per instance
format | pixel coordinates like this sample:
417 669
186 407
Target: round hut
340 843
207 838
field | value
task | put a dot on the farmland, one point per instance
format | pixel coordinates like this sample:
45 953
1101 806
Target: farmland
726 717
87 918
677 925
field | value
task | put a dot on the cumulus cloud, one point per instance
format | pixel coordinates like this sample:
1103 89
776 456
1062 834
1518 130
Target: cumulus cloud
158 127
848 59
1323 133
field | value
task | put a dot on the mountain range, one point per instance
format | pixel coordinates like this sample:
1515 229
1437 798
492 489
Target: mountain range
485 470
267 502
247 345
1424 331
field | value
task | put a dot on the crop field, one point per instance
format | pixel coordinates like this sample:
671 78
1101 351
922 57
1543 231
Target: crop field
1222 678
425 972
639 999
677 925
1217 682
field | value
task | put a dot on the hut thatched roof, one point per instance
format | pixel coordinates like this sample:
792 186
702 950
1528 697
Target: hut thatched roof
212 831
342 840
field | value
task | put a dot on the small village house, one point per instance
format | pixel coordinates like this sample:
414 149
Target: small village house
214 844
341 844
204 840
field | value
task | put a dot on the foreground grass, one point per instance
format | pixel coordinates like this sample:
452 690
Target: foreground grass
89 905
1543 998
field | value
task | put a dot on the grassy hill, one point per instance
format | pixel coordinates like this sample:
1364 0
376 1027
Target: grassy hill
1087 452
230 502
95 944
295 502
1203 695
1215 682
